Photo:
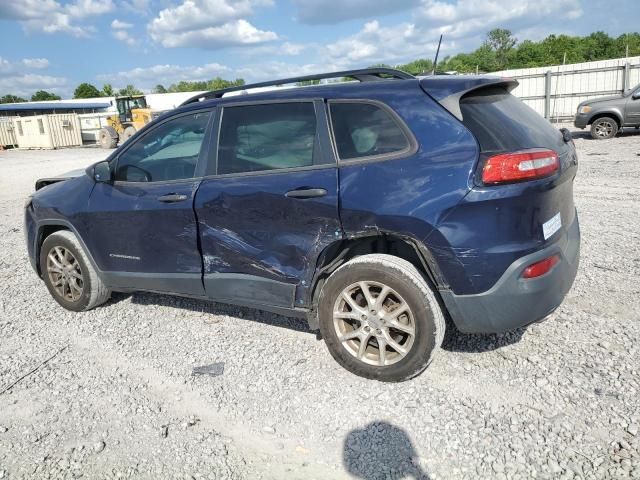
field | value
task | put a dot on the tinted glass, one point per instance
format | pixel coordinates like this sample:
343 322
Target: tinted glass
502 122
267 137
363 130
168 152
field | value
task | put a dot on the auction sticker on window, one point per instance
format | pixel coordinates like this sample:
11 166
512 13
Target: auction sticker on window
551 226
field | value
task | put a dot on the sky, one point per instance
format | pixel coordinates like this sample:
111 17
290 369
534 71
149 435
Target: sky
56 44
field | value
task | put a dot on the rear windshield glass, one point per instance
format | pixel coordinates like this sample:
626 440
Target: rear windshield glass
502 122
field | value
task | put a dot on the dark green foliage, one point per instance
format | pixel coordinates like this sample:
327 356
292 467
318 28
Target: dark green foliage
501 51
86 90
213 84
11 99
128 91
42 95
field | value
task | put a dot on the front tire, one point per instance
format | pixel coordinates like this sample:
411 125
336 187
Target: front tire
380 319
603 128
108 137
128 133
69 275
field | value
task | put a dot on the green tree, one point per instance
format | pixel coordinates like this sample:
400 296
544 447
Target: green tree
501 41
129 90
417 67
86 90
159 89
42 95
107 90
12 99
213 84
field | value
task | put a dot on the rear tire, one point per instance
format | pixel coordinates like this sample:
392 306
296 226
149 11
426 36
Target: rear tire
390 339
603 128
108 137
69 275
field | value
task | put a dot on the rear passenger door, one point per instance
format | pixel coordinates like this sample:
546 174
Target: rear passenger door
270 203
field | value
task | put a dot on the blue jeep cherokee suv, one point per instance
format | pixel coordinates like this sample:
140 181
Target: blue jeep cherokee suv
373 208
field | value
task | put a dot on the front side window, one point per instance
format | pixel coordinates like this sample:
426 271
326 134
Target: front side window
364 130
168 152
267 137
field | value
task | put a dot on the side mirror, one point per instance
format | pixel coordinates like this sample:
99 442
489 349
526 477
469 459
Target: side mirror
636 95
102 172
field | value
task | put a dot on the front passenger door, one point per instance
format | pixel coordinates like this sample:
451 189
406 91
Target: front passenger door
632 109
143 230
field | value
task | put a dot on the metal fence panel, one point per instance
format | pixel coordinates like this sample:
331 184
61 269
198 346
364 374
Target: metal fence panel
556 91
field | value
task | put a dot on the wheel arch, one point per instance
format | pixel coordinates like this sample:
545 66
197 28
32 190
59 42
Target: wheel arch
341 251
611 114
48 227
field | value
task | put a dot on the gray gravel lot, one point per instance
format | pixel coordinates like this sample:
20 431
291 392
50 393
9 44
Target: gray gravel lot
560 399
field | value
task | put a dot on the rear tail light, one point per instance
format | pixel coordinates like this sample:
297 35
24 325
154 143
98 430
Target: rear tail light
518 166
540 268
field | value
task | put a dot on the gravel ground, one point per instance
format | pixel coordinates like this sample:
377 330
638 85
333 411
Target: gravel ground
557 400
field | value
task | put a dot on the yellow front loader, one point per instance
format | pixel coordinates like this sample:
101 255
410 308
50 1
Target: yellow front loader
133 114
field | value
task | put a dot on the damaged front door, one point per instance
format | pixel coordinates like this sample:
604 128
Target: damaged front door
272 206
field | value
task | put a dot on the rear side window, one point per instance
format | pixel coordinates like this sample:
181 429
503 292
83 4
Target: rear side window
267 136
365 130
502 122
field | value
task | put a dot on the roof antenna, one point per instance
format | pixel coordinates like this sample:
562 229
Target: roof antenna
435 62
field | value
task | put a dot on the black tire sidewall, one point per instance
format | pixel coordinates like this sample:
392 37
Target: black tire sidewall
424 343
59 241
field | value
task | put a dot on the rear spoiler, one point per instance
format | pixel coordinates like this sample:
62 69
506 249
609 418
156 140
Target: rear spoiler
448 91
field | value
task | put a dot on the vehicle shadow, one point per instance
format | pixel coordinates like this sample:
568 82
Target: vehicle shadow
456 341
381 451
213 308
586 133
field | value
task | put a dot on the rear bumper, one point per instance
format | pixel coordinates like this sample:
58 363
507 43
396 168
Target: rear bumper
513 301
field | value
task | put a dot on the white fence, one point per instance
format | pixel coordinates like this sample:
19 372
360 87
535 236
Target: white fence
556 91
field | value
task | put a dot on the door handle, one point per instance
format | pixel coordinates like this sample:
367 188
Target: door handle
306 193
172 198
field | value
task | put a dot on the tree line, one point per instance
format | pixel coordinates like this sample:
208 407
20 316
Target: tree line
87 90
500 51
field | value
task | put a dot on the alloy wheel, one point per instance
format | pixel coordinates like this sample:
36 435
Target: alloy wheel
65 274
604 129
374 323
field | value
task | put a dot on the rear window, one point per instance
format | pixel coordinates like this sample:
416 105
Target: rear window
365 130
502 122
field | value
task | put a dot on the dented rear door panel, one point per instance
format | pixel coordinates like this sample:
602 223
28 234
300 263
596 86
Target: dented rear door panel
260 246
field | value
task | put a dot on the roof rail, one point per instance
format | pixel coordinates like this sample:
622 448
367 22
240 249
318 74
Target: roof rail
362 75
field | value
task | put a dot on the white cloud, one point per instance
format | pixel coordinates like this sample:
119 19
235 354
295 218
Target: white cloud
86 8
474 17
148 77
119 25
50 16
328 11
120 31
464 23
209 24
38 63
16 78
124 37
